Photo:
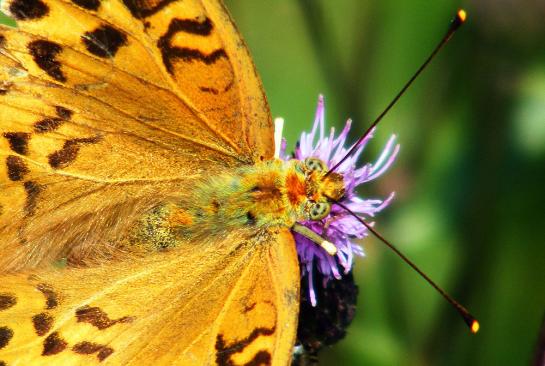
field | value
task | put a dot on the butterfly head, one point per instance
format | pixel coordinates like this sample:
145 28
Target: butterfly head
320 190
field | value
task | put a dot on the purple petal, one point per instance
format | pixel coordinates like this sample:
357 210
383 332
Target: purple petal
342 228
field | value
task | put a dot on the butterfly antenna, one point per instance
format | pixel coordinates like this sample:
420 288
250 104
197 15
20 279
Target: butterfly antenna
471 322
456 22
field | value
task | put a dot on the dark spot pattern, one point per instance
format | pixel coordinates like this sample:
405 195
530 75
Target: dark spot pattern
7 301
104 41
42 323
104 353
53 344
5 336
88 348
63 113
193 26
88 4
18 141
28 9
98 318
51 297
16 168
47 125
143 9
5 86
209 90
225 351
189 55
171 53
2 363
32 190
69 152
52 123
261 358
248 308
44 54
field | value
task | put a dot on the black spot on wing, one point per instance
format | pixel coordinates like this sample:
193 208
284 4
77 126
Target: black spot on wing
98 318
53 344
224 351
32 190
44 54
67 155
88 348
52 123
104 353
5 86
143 9
51 297
7 301
18 141
171 53
42 323
248 308
191 54
28 9
16 168
261 358
193 26
88 4
64 113
5 336
104 41
47 125
209 90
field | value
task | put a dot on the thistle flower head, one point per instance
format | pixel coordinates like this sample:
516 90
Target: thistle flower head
338 227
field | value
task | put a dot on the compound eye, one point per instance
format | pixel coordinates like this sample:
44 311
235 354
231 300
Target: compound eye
314 164
319 210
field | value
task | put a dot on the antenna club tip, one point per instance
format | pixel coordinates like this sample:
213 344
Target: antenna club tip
471 322
475 326
461 15
458 20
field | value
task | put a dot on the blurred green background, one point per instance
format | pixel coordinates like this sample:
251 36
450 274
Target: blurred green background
470 179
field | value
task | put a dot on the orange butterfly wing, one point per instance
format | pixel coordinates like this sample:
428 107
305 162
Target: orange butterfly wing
238 306
108 106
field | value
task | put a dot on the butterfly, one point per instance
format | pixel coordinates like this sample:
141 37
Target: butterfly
144 217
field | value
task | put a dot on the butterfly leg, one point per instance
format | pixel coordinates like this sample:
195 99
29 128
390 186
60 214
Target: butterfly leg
311 235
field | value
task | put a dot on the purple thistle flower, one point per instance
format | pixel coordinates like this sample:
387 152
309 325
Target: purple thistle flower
338 227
